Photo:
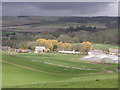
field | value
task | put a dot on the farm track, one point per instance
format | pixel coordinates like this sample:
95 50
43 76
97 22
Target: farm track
29 68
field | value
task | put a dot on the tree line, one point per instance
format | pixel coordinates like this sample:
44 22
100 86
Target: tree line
101 19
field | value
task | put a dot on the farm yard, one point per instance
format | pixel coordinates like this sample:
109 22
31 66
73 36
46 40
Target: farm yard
43 70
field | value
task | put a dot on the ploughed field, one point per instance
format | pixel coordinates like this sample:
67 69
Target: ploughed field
51 70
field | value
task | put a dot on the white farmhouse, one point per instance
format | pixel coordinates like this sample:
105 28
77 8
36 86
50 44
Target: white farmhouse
39 49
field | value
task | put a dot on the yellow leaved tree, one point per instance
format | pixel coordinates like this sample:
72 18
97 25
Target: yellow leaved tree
49 44
67 46
87 46
60 45
44 42
41 42
53 44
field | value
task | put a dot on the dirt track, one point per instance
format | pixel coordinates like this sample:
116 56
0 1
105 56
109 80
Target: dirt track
23 66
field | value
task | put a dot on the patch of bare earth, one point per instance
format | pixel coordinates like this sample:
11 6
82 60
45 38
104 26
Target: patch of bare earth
109 71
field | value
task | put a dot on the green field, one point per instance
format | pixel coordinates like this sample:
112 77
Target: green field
30 71
101 46
108 46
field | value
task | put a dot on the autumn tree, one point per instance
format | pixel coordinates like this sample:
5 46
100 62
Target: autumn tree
46 43
54 44
87 46
67 46
49 44
41 42
60 45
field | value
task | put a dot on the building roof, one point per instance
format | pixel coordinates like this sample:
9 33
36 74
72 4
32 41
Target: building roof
46 49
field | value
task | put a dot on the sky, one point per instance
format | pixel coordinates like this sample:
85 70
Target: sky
60 8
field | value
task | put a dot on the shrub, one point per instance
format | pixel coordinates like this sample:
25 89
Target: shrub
97 80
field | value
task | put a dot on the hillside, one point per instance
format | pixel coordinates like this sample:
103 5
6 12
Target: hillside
23 24
74 29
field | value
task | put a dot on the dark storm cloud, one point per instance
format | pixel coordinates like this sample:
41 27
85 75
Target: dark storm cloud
72 5
57 8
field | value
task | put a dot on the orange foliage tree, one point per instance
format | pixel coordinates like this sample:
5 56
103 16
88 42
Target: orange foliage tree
67 46
41 42
60 45
87 46
52 43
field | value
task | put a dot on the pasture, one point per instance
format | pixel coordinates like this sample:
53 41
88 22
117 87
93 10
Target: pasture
31 70
102 46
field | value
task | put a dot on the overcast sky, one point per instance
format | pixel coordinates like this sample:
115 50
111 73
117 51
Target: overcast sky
60 9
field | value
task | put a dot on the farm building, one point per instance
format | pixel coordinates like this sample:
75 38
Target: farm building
95 52
99 56
114 51
46 50
22 50
39 49
68 51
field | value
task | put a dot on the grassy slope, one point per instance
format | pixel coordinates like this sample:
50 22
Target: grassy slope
48 20
100 46
47 23
108 46
19 77
110 31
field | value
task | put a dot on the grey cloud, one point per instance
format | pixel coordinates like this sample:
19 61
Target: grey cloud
56 8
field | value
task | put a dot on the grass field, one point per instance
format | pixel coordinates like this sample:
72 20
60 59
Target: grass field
29 71
108 46
100 46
